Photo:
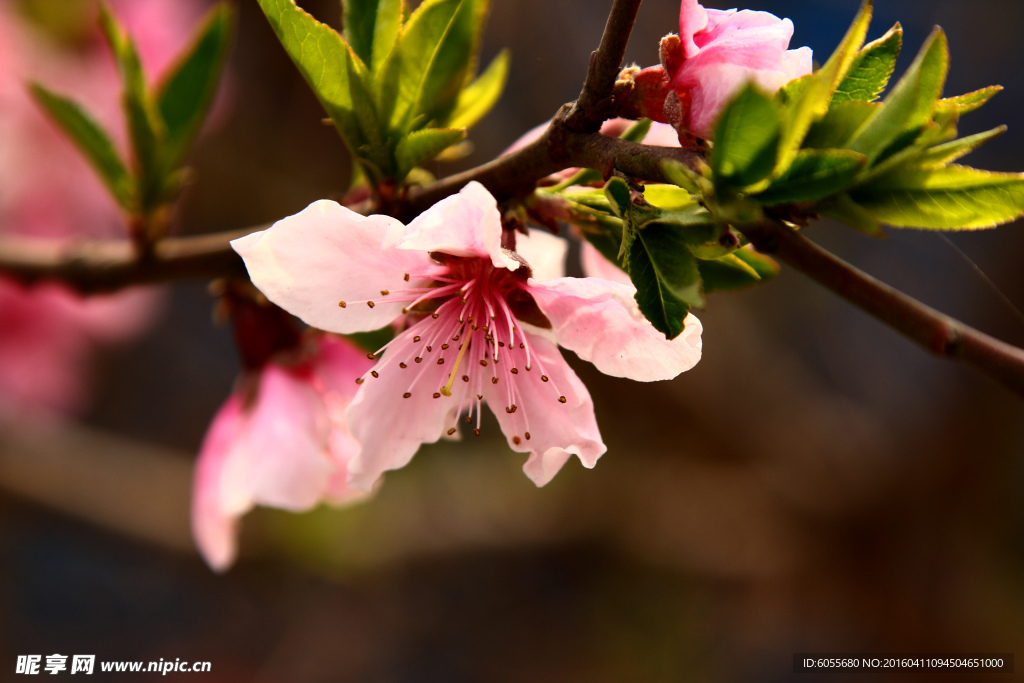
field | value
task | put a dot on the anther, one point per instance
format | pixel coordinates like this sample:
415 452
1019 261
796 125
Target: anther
483 363
406 277
405 310
370 304
516 440
451 431
434 315
384 292
359 380
477 432
479 397
370 356
465 378
469 420
501 344
374 373
522 345
527 435
444 346
418 359
561 399
437 395
494 380
403 365
342 304
440 361
416 338
543 378
455 338
406 395
430 348
514 371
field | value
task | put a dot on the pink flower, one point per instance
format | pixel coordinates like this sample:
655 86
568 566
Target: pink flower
721 51
279 440
481 326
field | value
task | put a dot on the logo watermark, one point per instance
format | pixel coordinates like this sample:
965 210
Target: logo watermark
32 665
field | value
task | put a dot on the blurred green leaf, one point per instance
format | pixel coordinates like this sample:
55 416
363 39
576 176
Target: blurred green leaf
421 145
845 210
91 140
871 70
839 125
371 27
668 196
939 155
814 175
746 139
185 95
910 103
480 96
969 102
948 198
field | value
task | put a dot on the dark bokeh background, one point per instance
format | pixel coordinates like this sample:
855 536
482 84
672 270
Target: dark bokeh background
817 483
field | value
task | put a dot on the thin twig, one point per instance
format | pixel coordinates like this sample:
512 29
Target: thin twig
936 332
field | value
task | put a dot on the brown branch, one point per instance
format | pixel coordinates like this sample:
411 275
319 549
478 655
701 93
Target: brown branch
107 265
936 332
589 111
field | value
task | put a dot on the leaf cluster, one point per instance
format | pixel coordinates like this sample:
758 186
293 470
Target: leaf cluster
163 121
399 87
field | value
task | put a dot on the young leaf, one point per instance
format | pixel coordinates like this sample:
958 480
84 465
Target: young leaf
812 99
742 268
666 277
187 90
845 210
948 198
814 175
746 139
371 27
940 155
839 125
911 102
669 197
421 145
871 70
452 63
144 128
962 104
323 59
91 140
480 96
765 266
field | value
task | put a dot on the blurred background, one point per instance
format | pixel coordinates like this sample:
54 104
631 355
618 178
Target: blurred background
817 483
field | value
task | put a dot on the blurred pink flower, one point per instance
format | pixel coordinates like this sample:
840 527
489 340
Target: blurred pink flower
721 51
279 440
47 190
482 326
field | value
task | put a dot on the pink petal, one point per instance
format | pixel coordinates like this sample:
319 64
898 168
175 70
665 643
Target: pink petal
556 430
662 135
693 18
544 252
326 254
596 265
601 322
464 224
719 84
213 527
389 427
279 457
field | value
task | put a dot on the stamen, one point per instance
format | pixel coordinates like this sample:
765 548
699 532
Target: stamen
516 440
384 292
451 431
561 399
342 304
403 365
407 395
527 435
406 277
437 395
374 373
370 304
359 380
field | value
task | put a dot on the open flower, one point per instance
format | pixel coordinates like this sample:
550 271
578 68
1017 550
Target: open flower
721 51
280 439
481 325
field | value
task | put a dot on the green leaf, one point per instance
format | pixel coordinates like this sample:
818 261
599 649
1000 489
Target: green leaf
811 100
940 155
91 140
144 127
480 96
742 268
814 175
669 196
666 277
845 210
871 70
371 27
839 125
746 139
323 58
969 102
950 198
637 132
185 95
421 145
452 64
680 175
400 82
910 103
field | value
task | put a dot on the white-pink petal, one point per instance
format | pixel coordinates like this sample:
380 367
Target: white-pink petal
596 265
326 254
213 527
600 321
542 425
544 252
463 224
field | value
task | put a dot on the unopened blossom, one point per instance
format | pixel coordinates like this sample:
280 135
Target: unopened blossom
48 190
721 51
482 325
280 439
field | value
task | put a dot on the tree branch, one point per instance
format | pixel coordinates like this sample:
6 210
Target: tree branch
107 265
934 331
